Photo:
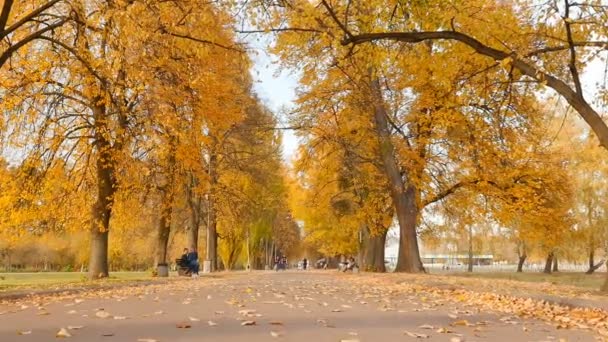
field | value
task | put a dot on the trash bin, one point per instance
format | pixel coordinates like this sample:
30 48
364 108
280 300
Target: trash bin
163 270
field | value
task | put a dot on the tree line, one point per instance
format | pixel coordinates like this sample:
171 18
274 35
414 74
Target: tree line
432 115
139 118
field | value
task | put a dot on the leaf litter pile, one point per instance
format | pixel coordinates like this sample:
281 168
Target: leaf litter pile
482 300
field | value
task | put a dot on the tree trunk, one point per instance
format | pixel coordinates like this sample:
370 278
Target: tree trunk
592 265
555 265
470 236
549 263
168 195
404 198
522 254
102 209
211 214
212 240
192 236
520 263
372 251
164 230
98 259
194 204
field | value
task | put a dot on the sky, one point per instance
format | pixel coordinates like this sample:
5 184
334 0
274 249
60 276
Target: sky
276 88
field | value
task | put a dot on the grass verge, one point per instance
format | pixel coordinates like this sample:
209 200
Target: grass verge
63 280
586 281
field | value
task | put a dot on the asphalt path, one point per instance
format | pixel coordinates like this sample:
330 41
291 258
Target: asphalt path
263 306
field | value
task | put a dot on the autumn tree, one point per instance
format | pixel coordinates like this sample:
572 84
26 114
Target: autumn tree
23 22
441 127
251 197
96 88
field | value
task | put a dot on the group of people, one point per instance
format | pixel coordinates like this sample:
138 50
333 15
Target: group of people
280 263
190 260
349 265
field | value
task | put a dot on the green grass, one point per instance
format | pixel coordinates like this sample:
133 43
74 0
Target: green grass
59 280
592 282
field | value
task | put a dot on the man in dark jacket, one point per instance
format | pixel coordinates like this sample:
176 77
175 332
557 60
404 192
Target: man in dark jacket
193 262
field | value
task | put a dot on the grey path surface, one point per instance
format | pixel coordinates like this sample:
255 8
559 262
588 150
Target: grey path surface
285 306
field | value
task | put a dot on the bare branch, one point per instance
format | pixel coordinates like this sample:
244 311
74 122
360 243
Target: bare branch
36 35
572 65
584 109
336 20
200 40
27 18
6 10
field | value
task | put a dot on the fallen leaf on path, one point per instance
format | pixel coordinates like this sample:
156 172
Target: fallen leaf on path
245 323
102 314
62 333
71 312
24 332
75 327
246 312
426 326
461 323
415 335
276 334
193 319
120 317
457 339
183 326
211 323
275 323
444 331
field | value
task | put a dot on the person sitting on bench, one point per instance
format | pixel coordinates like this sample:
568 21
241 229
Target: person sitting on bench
350 265
193 262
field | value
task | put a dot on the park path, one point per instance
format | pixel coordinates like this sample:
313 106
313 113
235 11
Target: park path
284 306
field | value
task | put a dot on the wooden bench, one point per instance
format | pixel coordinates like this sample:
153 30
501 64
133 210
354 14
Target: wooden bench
182 267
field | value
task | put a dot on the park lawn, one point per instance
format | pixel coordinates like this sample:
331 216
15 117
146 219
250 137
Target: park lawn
577 279
63 280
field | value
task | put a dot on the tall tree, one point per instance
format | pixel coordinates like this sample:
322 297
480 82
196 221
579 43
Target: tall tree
23 22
